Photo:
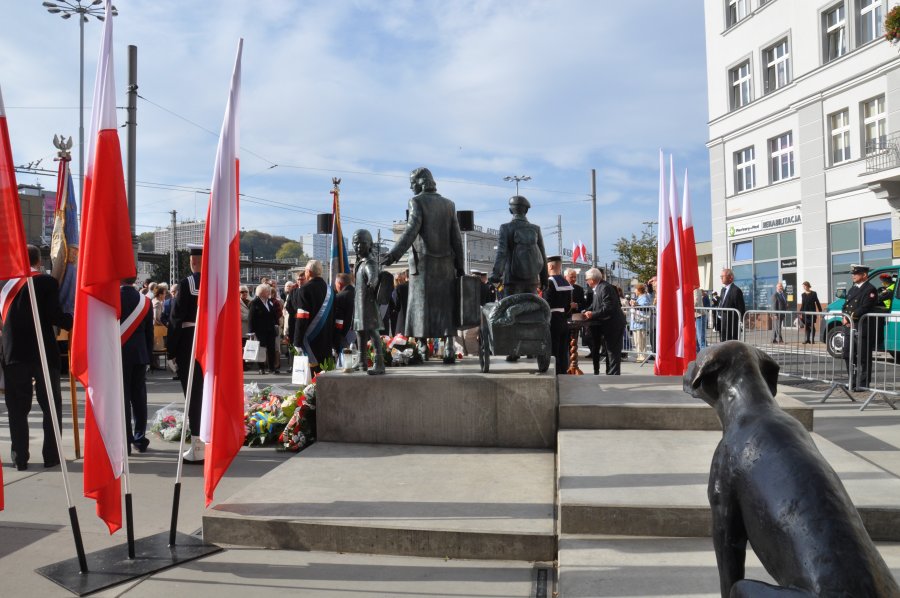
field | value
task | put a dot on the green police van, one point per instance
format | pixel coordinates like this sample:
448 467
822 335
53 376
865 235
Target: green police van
833 329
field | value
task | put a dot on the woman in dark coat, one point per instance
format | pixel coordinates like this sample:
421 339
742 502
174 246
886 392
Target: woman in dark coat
262 324
809 301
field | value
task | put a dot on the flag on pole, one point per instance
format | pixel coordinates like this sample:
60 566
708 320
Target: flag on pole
64 242
670 312
106 249
579 252
339 262
15 266
690 275
218 333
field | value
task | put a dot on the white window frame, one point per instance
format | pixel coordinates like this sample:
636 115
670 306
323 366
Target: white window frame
745 169
870 12
738 83
839 126
736 11
837 29
781 147
778 66
874 127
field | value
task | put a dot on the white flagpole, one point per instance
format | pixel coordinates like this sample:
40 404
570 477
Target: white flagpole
51 399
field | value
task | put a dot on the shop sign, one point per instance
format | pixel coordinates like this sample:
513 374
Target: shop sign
789 263
763 225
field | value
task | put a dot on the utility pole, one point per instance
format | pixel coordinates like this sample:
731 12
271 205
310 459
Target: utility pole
559 232
594 214
131 129
173 256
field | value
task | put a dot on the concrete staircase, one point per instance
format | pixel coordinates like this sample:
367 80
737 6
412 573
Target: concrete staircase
443 461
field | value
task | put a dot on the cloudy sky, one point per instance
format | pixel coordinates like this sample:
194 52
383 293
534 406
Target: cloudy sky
366 90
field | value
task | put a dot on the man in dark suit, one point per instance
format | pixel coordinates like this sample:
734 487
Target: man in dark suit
343 312
779 304
137 347
731 297
22 363
315 320
862 299
606 310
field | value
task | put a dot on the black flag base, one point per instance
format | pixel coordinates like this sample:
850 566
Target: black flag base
111 566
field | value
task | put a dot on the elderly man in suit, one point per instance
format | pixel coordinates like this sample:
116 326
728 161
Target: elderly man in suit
262 324
606 311
731 298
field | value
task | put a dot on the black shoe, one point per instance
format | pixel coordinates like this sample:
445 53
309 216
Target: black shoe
21 465
277 372
512 358
51 463
141 445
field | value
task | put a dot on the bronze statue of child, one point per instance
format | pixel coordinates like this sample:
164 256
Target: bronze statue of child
366 320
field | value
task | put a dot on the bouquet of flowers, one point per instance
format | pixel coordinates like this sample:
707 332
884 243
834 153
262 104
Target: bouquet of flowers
167 423
300 430
263 417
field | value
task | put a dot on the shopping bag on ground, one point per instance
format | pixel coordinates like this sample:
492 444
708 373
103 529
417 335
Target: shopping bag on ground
300 370
252 350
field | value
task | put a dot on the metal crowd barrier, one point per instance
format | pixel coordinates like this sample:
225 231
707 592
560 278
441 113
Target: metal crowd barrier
718 324
640 333
874 353
791 339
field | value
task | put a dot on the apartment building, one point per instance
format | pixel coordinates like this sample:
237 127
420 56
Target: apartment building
804 149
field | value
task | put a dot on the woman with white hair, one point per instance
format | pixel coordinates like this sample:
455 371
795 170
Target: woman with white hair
262 324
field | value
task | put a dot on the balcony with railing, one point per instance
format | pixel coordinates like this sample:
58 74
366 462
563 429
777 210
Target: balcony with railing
883 153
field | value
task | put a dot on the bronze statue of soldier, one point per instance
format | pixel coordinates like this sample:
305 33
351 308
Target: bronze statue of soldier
435 263
366 320
521 259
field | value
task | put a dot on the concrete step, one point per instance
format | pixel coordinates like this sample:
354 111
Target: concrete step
443 405
642 401
242 572
472 503
635 483
613 566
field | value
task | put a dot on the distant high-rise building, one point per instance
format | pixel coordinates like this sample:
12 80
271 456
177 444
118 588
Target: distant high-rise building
186 233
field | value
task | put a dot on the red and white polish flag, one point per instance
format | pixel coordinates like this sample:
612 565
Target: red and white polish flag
218 315
690 275
105 258
669 303
14 262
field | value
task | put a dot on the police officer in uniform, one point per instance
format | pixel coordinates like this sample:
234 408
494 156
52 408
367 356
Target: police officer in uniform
558 295
862 299
181 334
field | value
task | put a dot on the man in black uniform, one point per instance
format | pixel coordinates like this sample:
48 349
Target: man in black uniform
22 369
558 296
862 299
607 310
137 347
315 321
181 332
343 312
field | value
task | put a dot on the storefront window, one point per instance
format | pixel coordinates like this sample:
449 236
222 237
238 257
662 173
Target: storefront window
765 279
875 250
743 277
765 248
758 266
742 252
788 243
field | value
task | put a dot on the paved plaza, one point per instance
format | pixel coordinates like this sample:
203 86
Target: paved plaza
34 527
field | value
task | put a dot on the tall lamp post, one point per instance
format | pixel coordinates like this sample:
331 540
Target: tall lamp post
84 9
517 179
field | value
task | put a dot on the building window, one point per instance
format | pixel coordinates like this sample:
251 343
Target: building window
835 26
741 84
778 66
846 249
871 20
839 123
874 134
781 157
736 10
757 265
744 169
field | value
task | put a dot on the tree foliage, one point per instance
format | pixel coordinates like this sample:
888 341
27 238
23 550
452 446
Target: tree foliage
638 254
291 249
263 245
147 241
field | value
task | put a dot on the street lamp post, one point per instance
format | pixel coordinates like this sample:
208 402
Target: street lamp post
517 179
84 9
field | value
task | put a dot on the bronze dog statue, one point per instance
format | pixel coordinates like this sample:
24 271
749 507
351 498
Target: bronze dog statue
770 485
